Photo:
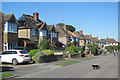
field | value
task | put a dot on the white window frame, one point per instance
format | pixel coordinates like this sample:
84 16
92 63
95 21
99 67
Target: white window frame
42 33
33 32
10 27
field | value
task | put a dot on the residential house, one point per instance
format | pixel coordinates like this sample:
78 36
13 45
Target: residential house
66 35
1 32
87 41
63 36
109 42
32 30
81 38
74 38
10 32
52 34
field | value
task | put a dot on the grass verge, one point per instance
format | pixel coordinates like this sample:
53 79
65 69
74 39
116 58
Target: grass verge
104 55
90 58
67 63
5 75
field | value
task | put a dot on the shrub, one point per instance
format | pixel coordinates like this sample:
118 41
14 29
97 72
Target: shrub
93 48
72 48
77 49
33 52
65 55
44 44
48 52
37 56
109 48
68 44
51 47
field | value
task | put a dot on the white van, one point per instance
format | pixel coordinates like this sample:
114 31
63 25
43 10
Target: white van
15 56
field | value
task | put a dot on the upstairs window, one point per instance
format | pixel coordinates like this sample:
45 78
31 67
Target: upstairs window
33 32
77 39
12 28
42 33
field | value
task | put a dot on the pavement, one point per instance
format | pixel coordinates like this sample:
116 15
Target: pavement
82 69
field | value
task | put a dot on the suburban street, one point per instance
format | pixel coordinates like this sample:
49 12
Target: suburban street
82 69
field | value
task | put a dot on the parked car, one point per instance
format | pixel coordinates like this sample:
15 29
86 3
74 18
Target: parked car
19 48
15 56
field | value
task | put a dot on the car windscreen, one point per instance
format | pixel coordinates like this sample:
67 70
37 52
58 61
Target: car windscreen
23 52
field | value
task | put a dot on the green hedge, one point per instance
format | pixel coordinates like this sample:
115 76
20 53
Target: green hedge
33 52
37 56
42 53
109 48
48 52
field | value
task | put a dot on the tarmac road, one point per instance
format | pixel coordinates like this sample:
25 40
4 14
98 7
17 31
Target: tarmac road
82 69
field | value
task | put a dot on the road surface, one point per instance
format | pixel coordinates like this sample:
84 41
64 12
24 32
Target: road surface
82 69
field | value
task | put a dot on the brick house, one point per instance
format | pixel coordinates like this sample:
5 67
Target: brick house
66 35
109 42
1 32
63 36
74 38
81 38
10 32
52 35
31 30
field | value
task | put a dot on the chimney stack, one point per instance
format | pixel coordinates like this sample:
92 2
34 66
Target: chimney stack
90 35
81 32
35 16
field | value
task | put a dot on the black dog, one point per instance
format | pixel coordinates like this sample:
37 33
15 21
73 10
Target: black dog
95 66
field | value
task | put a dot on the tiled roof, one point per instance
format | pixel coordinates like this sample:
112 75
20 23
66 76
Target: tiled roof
31 23
109 40
80 36
87 37
7 17
50 27
70 33
2 13
62 32
95 39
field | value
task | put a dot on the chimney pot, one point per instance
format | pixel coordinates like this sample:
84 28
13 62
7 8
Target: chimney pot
90 35
35 16
81 32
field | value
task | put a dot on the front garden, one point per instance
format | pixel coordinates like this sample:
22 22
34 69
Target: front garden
47 53
44 53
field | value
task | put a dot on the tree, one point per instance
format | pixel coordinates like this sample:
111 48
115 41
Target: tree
93 48
69 27
44 44
68 44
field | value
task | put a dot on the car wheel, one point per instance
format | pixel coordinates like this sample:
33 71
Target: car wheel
14 62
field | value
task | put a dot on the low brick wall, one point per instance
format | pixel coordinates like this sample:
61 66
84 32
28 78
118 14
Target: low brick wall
75 56
50 58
